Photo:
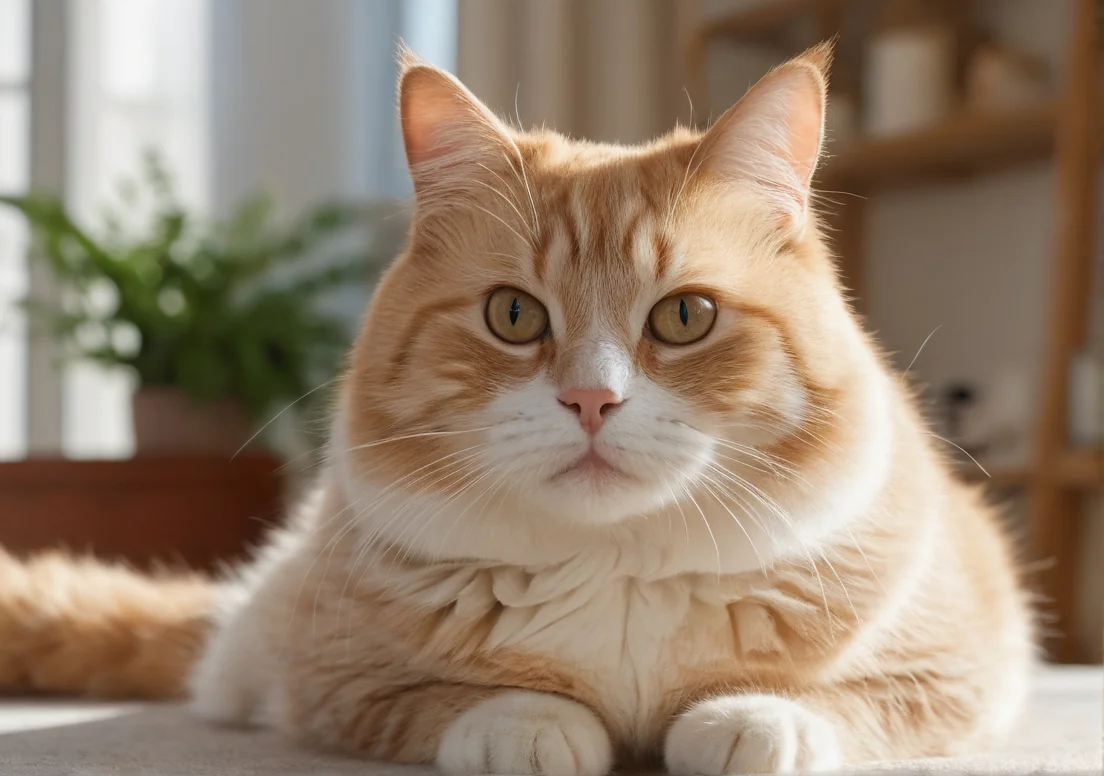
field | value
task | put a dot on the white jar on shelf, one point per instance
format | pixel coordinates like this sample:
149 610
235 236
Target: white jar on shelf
910 69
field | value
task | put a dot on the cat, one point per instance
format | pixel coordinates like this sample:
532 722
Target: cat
615 478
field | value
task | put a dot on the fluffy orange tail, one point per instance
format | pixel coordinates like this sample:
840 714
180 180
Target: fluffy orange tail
82 627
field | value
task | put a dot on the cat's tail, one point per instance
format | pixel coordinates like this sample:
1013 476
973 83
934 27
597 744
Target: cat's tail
78 626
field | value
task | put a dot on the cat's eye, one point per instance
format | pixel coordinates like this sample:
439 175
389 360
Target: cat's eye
515 316
682 319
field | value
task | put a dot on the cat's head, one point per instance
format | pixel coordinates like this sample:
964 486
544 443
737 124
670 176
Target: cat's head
583 334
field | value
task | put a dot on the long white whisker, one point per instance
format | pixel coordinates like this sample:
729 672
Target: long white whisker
952 444
920 350
502 196
381 498
419 435
758 557
502 221
705 520
277 416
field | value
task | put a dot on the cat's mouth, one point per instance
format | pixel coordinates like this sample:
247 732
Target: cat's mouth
592 466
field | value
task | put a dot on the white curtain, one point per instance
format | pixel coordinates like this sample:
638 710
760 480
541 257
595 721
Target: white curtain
236 95
608 70
138 81
15 37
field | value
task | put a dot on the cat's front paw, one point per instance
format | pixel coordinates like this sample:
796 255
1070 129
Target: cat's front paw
750 734
524 733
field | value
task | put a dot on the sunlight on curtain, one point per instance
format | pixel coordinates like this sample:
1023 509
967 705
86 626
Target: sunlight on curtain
138 82
15 35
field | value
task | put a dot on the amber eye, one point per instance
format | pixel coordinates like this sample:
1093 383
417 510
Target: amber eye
515 316
682 319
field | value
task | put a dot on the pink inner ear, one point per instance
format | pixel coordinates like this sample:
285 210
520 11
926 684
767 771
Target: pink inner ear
805 121
772 137
429 104
447 131
452 139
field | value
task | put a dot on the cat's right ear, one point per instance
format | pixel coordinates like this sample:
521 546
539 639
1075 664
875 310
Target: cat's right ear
773 137
447 132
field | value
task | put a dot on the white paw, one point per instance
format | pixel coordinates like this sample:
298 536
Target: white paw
522 733
232 683
750 734
221 696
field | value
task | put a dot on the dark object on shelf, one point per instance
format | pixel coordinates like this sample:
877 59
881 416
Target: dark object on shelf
957 400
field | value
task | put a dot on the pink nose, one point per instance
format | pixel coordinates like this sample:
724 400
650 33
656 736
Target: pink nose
591 405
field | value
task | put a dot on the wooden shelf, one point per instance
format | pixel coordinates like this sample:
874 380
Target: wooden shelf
1080 468
1073 469
1012 478
965 144
1008 479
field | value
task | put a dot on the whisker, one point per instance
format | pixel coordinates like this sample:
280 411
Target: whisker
521 163
277 416
788 522
758 557
502 221
920 350
419 435
382 497
869 566
961 450
705 520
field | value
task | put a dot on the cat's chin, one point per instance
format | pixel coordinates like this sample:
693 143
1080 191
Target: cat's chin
598 496
594 471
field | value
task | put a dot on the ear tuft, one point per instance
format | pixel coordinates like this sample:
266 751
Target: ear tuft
819 57
407 59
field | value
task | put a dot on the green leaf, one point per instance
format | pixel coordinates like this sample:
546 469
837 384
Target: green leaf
210 312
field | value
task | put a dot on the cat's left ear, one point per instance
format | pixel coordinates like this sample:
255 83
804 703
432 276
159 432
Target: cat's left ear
448 133
772 138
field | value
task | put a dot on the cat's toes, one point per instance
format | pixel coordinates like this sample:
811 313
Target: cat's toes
750 734
526 733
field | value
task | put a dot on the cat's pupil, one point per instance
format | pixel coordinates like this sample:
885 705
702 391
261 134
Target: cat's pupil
684 314
515 310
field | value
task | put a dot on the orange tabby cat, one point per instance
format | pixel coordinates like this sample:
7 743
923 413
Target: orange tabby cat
615 476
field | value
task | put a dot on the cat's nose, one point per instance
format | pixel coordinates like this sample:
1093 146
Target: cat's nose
591 405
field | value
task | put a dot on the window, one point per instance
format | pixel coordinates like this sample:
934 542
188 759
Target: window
15 61
121 76
137 82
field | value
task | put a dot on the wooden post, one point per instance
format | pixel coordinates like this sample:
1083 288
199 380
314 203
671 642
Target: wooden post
1055 505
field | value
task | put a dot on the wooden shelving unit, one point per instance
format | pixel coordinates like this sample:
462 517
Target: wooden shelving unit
967 144
1073 469
1079 469
1066 131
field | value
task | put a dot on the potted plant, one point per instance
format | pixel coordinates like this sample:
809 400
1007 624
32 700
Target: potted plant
220 322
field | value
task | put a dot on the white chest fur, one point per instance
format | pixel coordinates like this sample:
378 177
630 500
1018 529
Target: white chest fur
632 639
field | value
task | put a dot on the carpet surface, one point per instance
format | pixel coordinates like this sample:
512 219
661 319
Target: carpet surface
1061 733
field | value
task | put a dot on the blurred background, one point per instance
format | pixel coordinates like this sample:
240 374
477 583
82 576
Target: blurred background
197 195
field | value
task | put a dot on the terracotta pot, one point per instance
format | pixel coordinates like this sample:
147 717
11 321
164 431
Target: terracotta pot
166 420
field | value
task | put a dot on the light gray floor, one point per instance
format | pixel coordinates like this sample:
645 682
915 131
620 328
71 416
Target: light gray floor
1060 734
